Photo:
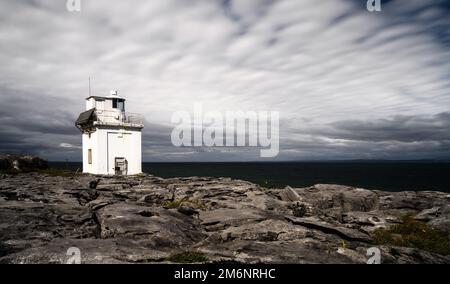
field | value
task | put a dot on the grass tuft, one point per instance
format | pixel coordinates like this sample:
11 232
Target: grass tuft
195 203
172 204
415 234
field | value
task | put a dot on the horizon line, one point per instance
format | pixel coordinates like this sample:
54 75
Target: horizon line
286 161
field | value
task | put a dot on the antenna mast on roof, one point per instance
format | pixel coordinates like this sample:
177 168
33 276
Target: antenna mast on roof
89 86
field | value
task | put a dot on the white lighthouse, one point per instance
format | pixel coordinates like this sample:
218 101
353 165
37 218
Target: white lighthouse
111 136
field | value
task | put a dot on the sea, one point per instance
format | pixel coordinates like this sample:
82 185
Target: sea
381 175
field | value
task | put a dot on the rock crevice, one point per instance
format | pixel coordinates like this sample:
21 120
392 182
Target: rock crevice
148 219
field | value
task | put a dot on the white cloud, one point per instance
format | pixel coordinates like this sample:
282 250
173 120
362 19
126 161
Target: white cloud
68 145
323 61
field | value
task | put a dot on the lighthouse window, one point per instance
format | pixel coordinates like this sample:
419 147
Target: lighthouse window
89 156
119 104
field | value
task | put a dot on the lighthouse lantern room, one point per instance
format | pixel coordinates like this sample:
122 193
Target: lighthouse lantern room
111 136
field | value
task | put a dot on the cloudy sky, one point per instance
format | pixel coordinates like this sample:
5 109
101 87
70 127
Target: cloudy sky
348 84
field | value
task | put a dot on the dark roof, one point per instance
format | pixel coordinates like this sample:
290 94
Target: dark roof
105 97
96 97
85 117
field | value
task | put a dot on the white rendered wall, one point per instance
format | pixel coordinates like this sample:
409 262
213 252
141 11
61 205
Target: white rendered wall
87 168
109 143
135 153
88 143
90 103
100 104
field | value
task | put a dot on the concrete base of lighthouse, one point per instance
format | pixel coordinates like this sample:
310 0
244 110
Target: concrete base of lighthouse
112 151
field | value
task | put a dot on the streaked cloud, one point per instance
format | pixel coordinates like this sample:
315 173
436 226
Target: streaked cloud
348 84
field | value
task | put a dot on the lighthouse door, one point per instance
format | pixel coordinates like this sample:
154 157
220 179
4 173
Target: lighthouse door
121 166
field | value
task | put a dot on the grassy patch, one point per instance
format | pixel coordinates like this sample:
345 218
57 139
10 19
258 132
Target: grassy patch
194 203
172 204
415 234
187 257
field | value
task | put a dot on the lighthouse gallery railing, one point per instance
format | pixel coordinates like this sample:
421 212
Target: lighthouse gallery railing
117 117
